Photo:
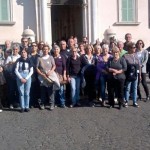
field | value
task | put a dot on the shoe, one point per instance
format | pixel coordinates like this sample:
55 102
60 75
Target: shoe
140 98
135 105
1 110
92 104
103 104
42 107
27 110
11 107
63 106
78 104
22 110
111 106
125 104
51 107
147 99
71 106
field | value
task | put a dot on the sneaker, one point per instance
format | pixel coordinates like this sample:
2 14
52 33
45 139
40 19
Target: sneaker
63 106
51 107
92 104
11 107
125 104
71 106
135 105
42 107
103 104
147 99
1 110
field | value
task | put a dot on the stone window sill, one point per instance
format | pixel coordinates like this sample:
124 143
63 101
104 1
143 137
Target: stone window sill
7 23
127 23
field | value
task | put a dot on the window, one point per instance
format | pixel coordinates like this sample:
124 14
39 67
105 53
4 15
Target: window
127 11
5 11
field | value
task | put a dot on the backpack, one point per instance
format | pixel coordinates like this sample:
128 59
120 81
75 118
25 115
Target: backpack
131 73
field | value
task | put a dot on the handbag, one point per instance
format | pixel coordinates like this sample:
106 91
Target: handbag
61 79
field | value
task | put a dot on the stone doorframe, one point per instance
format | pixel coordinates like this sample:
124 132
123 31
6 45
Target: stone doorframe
43 19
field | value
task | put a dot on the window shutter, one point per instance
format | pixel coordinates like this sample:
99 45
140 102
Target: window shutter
128 10
4 10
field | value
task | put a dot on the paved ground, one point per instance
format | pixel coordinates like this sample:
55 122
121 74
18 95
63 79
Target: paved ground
77 129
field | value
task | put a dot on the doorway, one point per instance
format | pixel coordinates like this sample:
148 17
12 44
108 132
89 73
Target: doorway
66 22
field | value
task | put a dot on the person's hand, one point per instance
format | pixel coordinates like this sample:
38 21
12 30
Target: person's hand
65 78
1 69
23 80
48 73
44 75
69 79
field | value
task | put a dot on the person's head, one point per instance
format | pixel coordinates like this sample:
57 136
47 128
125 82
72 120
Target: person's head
16 49
105 49
25 42
63 45
116 52
131 47
120 45
89 49
46 49
24 53
140 44
128 37
98 49
40 45
74 52
75 40
71 43
56 50
8 44
85 40
34 47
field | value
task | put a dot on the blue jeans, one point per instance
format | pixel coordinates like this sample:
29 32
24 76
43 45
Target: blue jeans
75 89
133 86
60 95
24 91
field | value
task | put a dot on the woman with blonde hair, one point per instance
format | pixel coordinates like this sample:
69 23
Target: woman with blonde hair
116 68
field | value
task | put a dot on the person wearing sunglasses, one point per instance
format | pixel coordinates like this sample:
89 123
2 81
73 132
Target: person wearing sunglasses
143 58
133 70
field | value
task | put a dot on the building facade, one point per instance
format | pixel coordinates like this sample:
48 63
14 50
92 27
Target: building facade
52 20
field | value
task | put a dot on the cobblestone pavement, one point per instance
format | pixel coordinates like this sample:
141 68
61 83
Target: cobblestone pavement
81 128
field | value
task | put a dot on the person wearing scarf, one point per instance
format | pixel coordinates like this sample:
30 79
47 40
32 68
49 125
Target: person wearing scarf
24 71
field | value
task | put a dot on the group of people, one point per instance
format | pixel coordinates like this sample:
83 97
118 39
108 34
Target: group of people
35 75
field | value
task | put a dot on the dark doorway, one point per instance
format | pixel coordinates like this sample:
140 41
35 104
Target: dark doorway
66 21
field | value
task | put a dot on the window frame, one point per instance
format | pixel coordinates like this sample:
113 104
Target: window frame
120 22
10 15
